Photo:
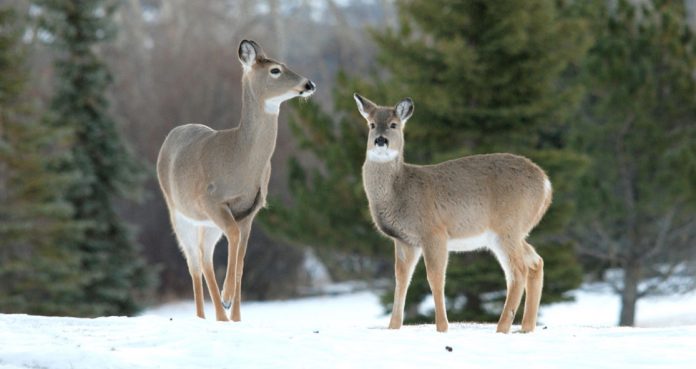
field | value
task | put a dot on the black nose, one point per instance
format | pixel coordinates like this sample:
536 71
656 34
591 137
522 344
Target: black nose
381 141
309 86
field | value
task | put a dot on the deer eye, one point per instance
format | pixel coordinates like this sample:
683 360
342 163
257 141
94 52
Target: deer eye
392 126
372 126
275 71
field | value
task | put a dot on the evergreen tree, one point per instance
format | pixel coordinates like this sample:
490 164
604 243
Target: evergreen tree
485 77
115 272
37 277
638 196
329 207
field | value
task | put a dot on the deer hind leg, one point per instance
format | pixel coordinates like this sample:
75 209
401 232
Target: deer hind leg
245 229
186 234
535 283
405 260
207 238
435 255
507 252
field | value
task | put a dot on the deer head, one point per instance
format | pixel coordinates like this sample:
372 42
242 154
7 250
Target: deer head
271 81
385 141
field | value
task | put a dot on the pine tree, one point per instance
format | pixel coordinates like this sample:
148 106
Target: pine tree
115 272
329 207
489 77
485 77
38 277
638 204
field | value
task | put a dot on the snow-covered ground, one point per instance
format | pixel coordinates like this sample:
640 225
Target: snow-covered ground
348 332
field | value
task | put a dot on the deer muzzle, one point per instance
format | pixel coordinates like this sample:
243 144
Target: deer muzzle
381 141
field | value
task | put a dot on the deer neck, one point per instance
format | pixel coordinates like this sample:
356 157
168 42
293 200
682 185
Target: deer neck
379 178
258 129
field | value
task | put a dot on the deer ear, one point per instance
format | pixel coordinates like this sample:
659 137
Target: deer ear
249 53
404 109
365 106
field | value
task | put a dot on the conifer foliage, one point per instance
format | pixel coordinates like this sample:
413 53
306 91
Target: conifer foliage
638 197
114 275
38 277
485 77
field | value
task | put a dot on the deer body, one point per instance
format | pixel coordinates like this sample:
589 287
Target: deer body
482 201
214 182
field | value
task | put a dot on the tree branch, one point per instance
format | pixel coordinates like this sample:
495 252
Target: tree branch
661 278
662 234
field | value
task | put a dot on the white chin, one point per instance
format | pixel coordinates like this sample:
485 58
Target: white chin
381 154
272 105
306 94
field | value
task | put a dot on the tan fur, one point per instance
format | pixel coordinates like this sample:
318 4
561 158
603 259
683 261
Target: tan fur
498 198
214 182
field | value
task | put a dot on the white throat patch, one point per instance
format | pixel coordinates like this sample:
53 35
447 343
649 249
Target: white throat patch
381 154
272 105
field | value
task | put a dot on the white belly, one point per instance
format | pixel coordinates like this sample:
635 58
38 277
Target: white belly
486 239
197 223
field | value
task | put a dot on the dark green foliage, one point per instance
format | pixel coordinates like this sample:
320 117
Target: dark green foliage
638 196
485 77
490 77
115 274
329 207
37 277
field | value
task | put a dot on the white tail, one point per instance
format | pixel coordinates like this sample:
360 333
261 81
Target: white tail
214 182
481 201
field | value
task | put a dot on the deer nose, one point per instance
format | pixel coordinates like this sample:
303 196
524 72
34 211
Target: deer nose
381 141
310 86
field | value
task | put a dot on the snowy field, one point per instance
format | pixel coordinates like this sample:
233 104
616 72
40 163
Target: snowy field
348 332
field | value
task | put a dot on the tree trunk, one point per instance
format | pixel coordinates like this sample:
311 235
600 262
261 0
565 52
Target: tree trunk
629 294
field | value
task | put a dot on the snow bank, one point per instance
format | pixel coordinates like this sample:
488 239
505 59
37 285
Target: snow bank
337 332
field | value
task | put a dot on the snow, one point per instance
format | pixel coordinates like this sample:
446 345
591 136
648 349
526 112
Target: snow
596 306
348 331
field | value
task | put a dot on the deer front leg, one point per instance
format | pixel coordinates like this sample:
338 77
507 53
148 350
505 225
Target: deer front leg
405 260
435 255
228 288
222 217
241 252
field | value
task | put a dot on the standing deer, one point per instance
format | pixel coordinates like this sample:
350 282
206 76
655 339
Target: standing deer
478 201
215 182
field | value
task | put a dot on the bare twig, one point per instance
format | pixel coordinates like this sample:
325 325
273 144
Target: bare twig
662 234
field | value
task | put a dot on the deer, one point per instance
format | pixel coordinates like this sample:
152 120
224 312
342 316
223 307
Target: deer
214 182
489 201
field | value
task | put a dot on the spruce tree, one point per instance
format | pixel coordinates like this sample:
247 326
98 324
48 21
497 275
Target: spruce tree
638 197
115 272
37 277
485 77
492 76
329 208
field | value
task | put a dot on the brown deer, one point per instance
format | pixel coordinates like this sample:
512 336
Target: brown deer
481 201
214 182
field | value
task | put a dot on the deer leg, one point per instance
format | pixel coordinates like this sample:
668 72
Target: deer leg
435 255
244 239
535 283
186 235
209 272
198 293
405 260
515 276
224 220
